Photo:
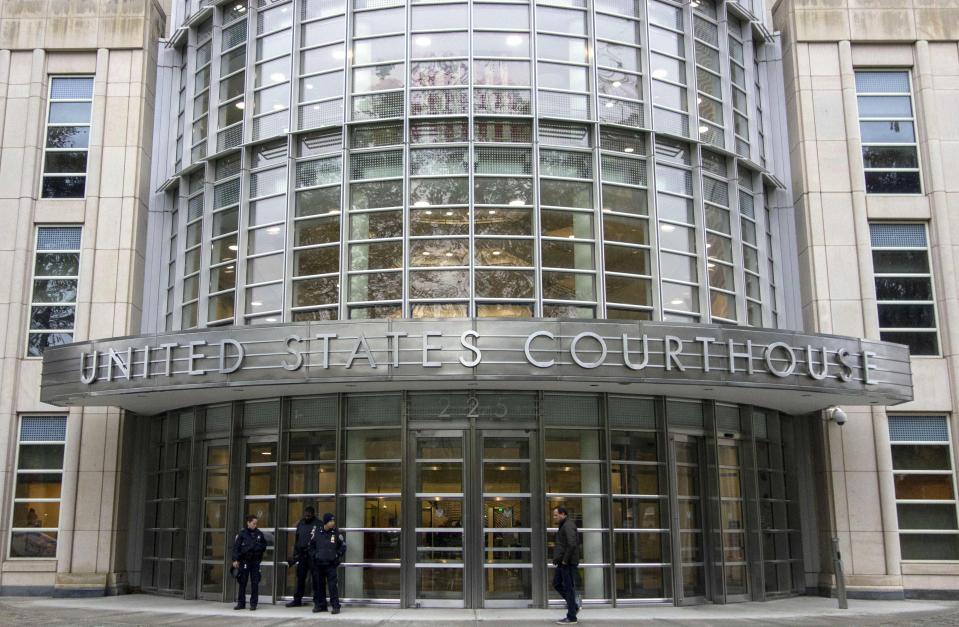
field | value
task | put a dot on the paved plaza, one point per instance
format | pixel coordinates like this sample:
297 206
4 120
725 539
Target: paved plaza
154 610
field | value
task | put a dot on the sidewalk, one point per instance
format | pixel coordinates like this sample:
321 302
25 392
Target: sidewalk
142 609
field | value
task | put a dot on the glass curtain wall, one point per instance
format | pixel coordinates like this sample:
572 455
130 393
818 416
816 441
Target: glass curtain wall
664 505
457 159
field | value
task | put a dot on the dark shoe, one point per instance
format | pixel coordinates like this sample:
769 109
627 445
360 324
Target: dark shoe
294 604
318 609
239 606
252 608
336 610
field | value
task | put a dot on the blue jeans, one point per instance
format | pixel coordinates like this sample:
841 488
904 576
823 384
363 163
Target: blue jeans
564 581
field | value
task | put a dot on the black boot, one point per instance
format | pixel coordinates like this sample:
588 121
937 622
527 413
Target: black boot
336 610
317 608
294 603
239 606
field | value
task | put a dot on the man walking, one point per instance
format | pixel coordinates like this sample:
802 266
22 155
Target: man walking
305 531
328 548
248 548
566 559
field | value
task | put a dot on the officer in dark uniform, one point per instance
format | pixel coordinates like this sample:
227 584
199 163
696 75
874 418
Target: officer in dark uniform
328 548
248 548
305 530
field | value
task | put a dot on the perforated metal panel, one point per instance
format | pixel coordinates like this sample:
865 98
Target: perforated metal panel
671 122
185 426
631 413
680 414
563 105
747 205
897 235
623 112
571 411
376 165
624 7
454 406
438 161
218 419
318 172
230 137
43 428
58 238
268 182
316 413
71 88
888 82
261 415
563 134
624 170
234 35
270 125
706 31
226 194
321 114
227 166
373 410
439 102
716 192
378 106
727 419
195 208
565 163
918 429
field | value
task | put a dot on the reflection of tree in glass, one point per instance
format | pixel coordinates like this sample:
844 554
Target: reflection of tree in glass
504 283
68 137
439 73
448 191
503 191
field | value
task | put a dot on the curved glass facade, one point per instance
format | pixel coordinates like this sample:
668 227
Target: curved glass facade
382 159
445 498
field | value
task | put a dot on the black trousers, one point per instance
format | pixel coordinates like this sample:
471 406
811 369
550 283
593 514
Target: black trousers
248 571
324 576
304 567
564 581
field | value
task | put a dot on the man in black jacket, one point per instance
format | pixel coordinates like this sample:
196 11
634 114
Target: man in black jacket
566 559
328 548
305 530
248 548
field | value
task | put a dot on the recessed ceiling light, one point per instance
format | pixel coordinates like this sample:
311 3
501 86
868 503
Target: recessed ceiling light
514 40
492 212
610 104
277 107
309 85
277 77
421 203
617 84
273 230
256 303
703 129
496 252
232 247
423 41
660 73
628 149
241 105
339 54
428 212
274 319
449 213
667 228
516 203
677 301
449 254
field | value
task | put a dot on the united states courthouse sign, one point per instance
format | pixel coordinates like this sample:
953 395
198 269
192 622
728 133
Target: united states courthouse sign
155 372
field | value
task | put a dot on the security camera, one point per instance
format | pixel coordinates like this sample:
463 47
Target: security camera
837 415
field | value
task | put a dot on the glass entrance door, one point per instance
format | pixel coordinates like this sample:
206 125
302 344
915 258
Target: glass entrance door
732 524
473 518
689 553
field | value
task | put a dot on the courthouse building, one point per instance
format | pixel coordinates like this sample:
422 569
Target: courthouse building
683 268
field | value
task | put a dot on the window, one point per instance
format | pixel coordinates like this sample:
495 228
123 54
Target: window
888 129
925 487
68 137
907 312
53 298
36 498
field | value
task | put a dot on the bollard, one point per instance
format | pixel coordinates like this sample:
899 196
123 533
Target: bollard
840 578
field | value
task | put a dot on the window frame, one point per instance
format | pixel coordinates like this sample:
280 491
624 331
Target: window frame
33 277
913 119
951 472
46 129
16 473
932 286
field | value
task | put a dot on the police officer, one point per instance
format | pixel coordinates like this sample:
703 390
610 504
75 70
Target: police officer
328 548
248 548
305 530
